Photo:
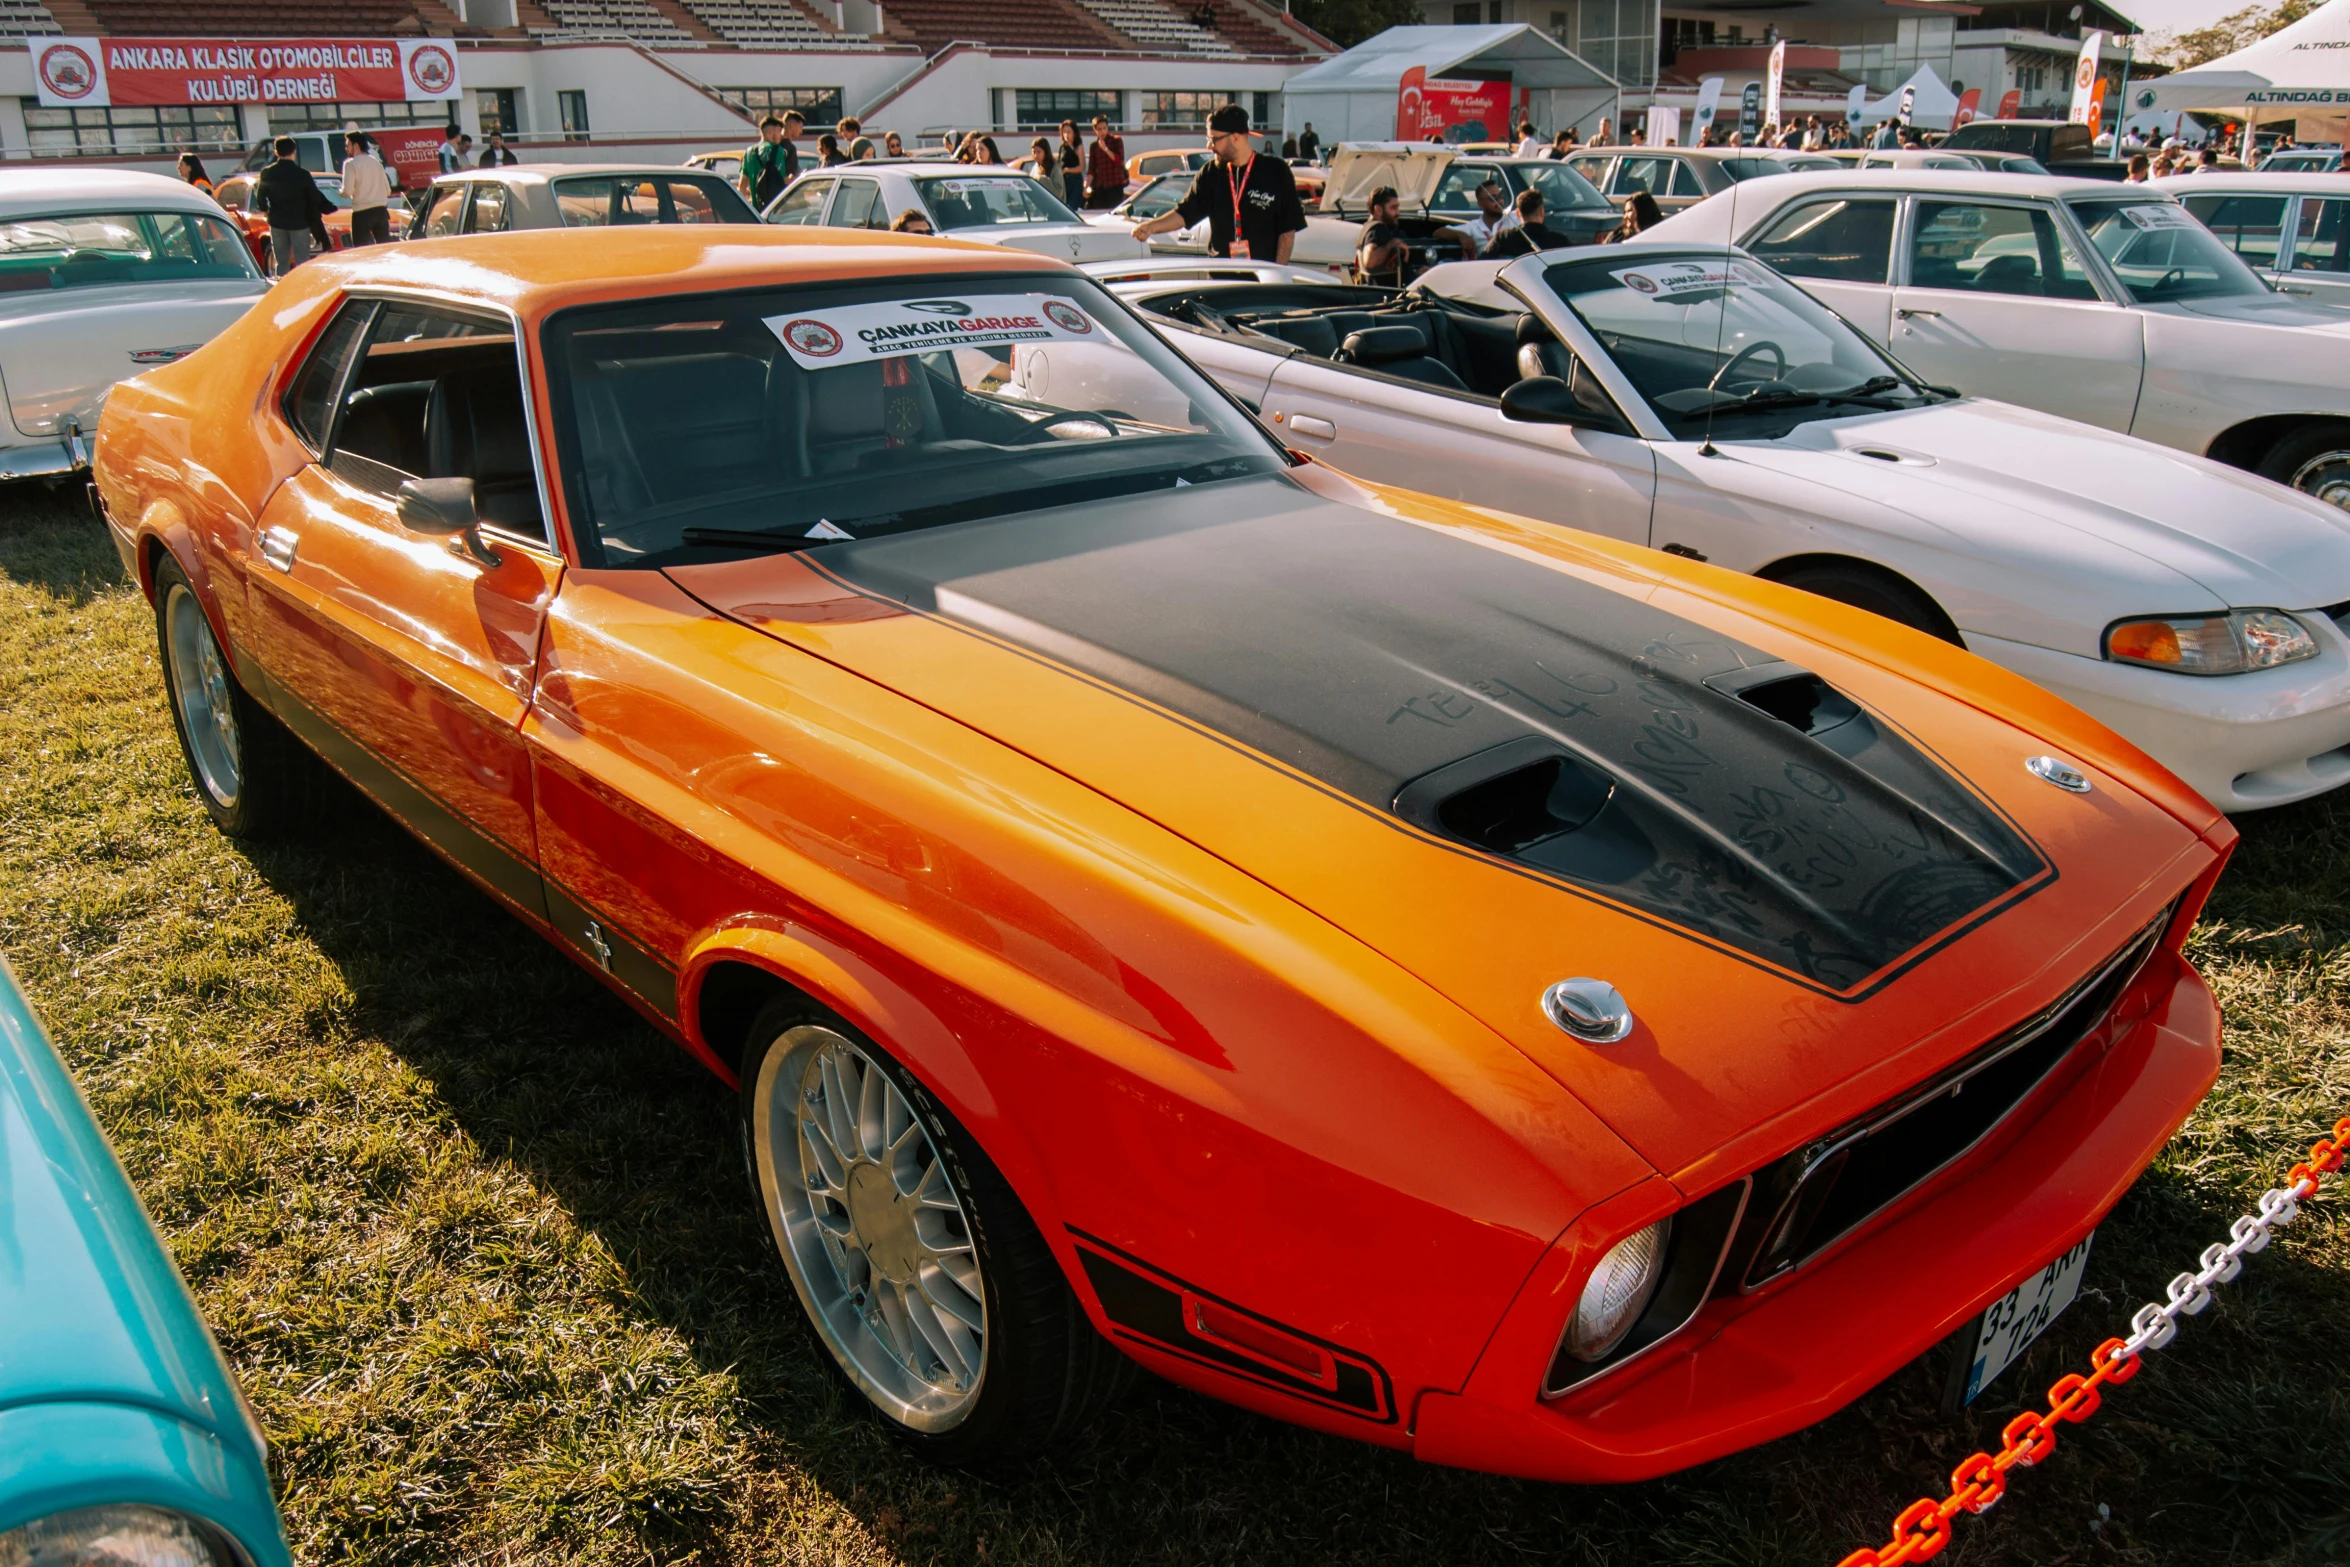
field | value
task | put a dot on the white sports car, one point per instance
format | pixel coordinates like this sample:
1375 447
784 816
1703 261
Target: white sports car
1694 400
103 273
2105 303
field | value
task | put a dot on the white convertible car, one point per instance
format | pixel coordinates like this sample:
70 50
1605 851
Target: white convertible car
103 273
1696 401
2105 303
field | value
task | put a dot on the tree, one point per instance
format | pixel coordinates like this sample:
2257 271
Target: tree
1348 22
2184 51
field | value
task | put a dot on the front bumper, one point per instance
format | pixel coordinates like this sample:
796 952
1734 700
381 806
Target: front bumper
2244 742
1754 1367
43 457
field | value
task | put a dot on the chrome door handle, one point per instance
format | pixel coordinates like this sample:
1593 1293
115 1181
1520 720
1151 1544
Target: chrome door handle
277 547
1312 428
1906 312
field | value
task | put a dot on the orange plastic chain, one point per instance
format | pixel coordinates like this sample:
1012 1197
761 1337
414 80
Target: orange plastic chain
1924 1527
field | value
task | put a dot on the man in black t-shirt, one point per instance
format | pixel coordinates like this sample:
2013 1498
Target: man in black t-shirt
1249 203
1529 235
1381 256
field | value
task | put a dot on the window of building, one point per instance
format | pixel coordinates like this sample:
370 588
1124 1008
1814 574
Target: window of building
572 103
1467 14
1183 111
65 133
499 110
1043 109
286 118
821 105
1620 38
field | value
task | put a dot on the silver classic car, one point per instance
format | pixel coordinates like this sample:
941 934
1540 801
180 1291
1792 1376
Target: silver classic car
103 273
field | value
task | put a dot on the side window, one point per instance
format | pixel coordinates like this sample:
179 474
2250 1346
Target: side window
693 201
803 203
232 193
1458 191
310 399
1840 239
447 209
1648 174
2321 240
1686 180
438 395
2253 226
1592 169
853 209
490 200
1993 250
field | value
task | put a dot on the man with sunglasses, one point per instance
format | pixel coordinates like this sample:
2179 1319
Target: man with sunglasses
1250 203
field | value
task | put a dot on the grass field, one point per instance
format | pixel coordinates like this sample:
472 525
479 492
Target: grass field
475 1239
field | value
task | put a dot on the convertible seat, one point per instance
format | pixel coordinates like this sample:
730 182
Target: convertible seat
1314 334
474 429
1401 351
1540 352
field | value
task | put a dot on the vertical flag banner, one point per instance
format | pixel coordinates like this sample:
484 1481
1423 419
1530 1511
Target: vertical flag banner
1771 81
1709 99
1970 104
2085 76
2009 102
2096 120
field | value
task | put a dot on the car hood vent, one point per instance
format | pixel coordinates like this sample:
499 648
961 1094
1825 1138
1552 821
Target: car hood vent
1803 702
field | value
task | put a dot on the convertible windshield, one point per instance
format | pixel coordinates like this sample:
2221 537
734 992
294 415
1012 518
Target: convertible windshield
990 201
84 249
2161 253
691 426
1726 344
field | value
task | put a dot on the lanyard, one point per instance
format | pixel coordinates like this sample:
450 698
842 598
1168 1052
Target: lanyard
1239 183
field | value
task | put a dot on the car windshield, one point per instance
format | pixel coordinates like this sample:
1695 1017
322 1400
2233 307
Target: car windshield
1161 195
1726 344
1562 188
612 200
990 201
86 249
691 426
2161 253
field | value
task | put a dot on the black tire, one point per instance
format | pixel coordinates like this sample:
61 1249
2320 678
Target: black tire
274 785
1048 1374
1879 592
2315 460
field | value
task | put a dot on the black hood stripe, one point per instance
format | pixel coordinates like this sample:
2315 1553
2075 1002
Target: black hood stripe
1359 653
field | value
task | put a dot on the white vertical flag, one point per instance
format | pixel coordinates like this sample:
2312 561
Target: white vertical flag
1709 99
1771 79
2085 76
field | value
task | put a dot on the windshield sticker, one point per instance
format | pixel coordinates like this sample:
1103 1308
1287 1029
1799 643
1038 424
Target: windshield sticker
2157 215
1681 279
859 333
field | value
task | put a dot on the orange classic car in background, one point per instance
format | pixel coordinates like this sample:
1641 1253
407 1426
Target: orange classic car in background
1438 978
236 194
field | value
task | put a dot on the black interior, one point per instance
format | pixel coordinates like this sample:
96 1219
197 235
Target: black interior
448 408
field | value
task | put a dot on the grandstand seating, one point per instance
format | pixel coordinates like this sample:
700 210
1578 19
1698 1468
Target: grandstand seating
21 18
632 19
1042 24
772 24
1156 26
1250 31
229 18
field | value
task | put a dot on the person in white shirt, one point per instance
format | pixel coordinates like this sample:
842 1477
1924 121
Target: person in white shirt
369 190
1529 144
1493 217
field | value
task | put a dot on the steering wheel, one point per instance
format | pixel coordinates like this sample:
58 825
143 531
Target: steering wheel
1751 350
1075 416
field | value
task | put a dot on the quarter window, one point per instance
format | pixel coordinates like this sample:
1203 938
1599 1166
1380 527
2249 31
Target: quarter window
490 200
447 210
1994 250
2252 226
1638 174
803 203
310 400
1685 180
1838 240
2321 240
856 208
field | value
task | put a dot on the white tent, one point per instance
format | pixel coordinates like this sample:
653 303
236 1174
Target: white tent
1352 96
2305 66
1932 104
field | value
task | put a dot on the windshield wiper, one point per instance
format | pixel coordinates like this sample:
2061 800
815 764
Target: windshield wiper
764 538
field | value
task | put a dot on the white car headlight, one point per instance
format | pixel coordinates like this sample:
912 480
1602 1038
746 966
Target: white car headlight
1617 1292
2230 644
109 1537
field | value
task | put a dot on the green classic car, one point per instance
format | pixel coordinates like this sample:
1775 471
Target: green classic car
122 1436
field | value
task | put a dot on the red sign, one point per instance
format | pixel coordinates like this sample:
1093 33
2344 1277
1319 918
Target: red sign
2012 101
1970 104
1450 111
173 72
411 152
2097 107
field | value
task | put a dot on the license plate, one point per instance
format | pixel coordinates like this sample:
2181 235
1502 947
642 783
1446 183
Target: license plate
2008 1328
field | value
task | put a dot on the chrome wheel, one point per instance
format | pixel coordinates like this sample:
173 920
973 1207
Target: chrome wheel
2326 476
871 1228
200 688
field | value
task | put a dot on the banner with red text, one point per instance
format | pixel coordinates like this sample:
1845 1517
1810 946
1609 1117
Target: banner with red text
1435 109
121 73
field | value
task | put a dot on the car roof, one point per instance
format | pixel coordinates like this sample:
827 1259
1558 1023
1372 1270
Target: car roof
530 172
2281 184
1986 182
534 272
26 191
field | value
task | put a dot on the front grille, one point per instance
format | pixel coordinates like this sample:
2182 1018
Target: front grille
1815 1196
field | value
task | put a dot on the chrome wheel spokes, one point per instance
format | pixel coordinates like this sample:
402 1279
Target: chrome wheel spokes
871 1227
2326 476
200 689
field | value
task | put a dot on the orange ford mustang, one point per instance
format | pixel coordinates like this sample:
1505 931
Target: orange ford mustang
1430 976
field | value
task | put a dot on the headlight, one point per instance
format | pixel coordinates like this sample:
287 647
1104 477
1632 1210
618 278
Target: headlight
2230 644
109 1537
1617 1292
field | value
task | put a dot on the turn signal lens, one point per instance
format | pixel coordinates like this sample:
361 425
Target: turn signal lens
2230 644
1617 1292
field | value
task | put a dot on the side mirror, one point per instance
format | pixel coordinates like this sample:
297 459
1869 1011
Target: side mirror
1545 399
446 507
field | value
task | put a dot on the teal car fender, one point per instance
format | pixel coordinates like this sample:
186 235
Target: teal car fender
113 1396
